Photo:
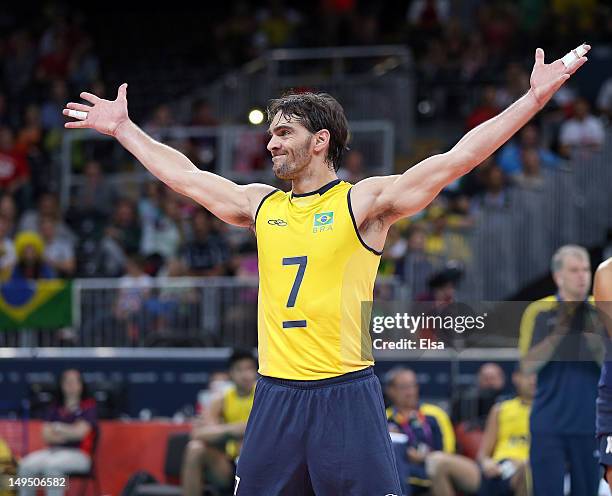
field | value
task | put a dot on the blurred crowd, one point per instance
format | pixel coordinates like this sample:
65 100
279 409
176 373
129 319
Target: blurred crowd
484 48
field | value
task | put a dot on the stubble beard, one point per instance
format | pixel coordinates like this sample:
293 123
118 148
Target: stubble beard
288 169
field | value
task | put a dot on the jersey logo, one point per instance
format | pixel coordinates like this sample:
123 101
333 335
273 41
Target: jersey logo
277 222
323 222
609 446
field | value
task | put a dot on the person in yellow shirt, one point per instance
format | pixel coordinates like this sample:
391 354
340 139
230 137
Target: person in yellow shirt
318 422
216 438
501 467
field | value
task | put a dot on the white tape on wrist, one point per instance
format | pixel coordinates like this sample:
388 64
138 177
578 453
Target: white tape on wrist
571 57
77 114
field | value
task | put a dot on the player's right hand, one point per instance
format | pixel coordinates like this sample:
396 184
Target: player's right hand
105 116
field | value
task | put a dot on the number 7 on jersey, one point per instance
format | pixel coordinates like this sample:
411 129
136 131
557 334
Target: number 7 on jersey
301 263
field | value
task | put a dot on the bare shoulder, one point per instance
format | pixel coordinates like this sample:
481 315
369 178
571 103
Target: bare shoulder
365 195
372 185
602 287
251 197
605 268
255 193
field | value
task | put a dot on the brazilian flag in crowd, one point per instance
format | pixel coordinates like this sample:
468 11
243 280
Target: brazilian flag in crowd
35 304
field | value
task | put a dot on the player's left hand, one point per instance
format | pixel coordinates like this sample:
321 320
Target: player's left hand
546 79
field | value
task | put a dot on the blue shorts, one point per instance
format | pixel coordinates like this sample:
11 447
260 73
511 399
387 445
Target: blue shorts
326 437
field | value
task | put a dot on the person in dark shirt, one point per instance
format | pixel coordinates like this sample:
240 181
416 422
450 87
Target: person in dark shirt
207 254
69 432
473 404
603 296
561 340
420 429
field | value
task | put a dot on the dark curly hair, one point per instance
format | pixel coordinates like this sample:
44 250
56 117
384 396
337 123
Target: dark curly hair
316 111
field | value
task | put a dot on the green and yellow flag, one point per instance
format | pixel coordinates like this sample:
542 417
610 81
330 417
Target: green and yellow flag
42 304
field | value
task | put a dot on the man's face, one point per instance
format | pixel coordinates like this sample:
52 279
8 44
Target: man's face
574 277
244 374
491 376
581 109
291 147
525 384
71 383
404 390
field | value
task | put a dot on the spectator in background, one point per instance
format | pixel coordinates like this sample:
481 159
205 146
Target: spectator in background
59 252
487 109
604 99
134 290
19 61
423 429
48 206
84 64
443 243
583 133
94 197
8 210
161 119
442 287
216 436
353 168
8 257
51 113
122 238
204 148
415 268
428 16
473 404
395 247
495 195
503 456
54 53
276 25
69 431
163 235
29 139
559 341
515 86
530 177
510 158
30 248
150 202
14 169
202 114
207 253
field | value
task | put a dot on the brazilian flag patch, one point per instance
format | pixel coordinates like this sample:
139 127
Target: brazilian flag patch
323 222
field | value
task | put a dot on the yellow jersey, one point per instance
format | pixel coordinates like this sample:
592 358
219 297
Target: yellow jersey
235 409
316 280
512 430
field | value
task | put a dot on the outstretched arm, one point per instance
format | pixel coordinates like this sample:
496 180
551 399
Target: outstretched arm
393 197
227 200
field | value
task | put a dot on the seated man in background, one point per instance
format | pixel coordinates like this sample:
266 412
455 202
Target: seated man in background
503 453
216 438
69 431
421 429
473 404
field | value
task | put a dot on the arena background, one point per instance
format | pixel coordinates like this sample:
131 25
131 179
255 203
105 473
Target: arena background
146 294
